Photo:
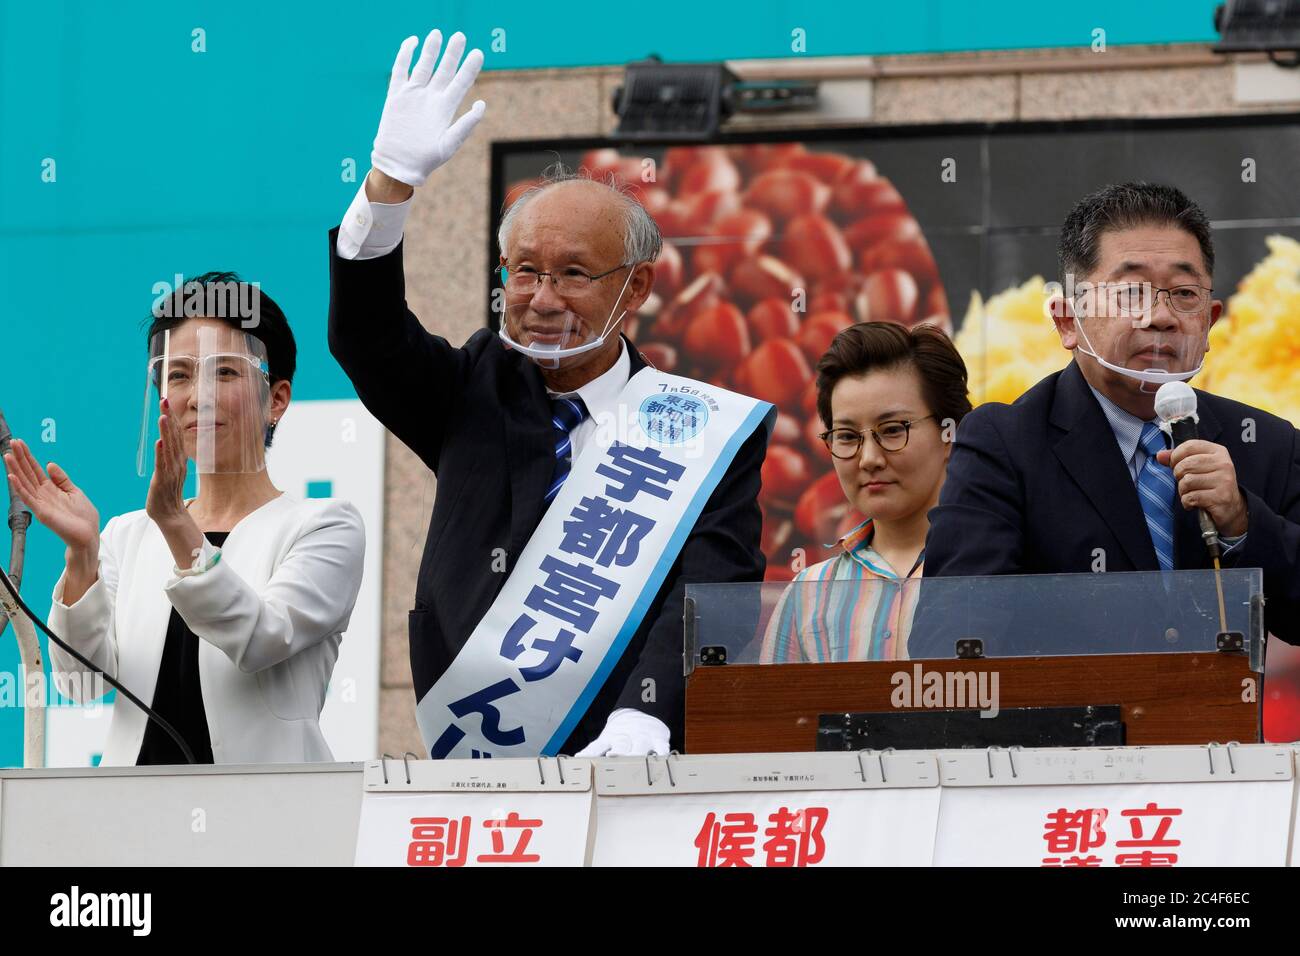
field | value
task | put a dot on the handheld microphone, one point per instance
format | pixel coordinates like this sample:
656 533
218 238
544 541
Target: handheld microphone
1176 409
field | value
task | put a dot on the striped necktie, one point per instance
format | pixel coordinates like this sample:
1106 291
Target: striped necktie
566 415
1156 491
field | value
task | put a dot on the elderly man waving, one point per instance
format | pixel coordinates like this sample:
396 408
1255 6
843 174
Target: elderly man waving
579 489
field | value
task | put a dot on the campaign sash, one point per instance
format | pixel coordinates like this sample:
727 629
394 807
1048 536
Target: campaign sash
584 581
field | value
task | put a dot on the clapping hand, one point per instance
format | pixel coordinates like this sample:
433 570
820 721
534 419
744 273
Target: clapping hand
57 503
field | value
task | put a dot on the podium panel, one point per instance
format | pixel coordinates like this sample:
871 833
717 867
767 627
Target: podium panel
1016 660
233 815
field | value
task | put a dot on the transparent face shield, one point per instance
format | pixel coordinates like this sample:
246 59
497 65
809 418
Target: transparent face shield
553 339
1116 327
217 385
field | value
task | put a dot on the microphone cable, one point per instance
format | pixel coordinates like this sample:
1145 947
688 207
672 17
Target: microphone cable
149 711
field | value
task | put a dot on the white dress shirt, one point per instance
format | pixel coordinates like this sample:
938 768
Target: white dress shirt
600 395
371 229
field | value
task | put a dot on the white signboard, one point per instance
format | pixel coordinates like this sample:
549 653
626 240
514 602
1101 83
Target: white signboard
884 827
493 828
1122 806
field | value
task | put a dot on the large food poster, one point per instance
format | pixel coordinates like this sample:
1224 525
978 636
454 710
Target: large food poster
773 246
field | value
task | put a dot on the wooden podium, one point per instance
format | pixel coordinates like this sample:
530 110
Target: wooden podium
1177 698
1073 660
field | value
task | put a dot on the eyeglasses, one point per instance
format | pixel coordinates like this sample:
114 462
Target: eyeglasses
526 280
222 370
1139 298
846 443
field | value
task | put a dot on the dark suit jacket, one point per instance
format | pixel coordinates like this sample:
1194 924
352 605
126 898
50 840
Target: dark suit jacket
480 418
1036 486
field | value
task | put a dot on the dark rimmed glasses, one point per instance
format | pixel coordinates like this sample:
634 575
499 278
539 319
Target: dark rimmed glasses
846 443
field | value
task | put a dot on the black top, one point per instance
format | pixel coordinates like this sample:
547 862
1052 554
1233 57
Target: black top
178 697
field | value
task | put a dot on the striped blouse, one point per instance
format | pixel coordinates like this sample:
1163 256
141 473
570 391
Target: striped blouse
852 607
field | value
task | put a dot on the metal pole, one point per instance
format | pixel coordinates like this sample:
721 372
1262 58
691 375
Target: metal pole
29 648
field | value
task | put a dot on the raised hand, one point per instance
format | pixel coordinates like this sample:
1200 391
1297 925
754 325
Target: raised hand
57 503
416 132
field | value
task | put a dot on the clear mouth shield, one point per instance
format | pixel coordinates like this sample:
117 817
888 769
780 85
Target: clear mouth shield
1119 320
217 384
551 338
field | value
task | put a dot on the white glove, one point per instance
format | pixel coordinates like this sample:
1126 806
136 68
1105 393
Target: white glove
416 134
629 733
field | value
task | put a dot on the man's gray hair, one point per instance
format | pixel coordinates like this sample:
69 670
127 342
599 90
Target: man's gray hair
641 239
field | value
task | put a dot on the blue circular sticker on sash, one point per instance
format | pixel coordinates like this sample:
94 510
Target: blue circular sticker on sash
671 418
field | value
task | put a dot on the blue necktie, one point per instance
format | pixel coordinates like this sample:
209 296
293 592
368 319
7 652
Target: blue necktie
1156 491
566 415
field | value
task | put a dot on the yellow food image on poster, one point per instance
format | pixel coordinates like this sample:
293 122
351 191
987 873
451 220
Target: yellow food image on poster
1254 352
1009 343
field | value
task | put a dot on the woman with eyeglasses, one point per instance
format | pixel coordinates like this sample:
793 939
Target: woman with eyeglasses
890 398
224 612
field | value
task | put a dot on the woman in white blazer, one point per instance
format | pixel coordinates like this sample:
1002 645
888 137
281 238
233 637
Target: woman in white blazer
224 611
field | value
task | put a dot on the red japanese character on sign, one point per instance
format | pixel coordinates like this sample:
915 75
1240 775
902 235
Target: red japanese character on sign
1089 860
438 841
1075 832
796 837
726 843
1156 840
517 855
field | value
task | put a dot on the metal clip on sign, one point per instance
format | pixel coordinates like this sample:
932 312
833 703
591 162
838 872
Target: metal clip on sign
1020 767
751 773
543 775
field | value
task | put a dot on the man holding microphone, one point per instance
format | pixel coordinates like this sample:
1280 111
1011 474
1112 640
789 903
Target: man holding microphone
579 489
1077 469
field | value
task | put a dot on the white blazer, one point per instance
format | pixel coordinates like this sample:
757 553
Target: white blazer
269 615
